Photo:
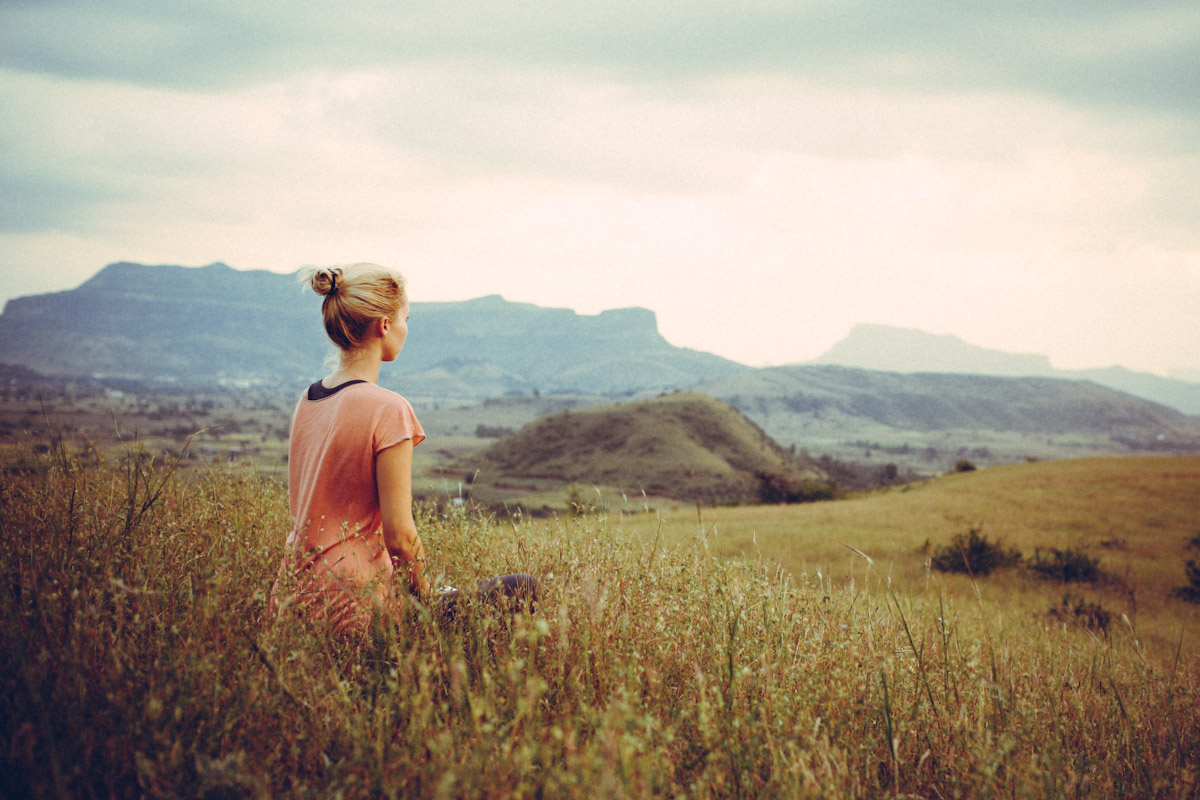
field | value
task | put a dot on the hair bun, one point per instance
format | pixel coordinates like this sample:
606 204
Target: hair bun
325 281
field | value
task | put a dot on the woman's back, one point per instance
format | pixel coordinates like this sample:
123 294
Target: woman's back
350 468
331 461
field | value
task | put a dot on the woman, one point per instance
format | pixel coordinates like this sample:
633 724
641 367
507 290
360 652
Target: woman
350 466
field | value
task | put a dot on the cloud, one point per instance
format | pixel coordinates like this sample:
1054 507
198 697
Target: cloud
762 177
1108 53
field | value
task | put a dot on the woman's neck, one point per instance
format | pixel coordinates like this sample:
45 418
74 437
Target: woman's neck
357 365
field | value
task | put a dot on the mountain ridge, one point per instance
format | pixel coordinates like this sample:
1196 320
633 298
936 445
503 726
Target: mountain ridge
887 348
212 326
938 401
215 323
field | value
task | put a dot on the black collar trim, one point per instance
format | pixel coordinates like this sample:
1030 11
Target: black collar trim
318 391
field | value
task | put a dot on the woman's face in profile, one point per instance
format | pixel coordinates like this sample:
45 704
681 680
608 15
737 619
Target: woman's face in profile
397 333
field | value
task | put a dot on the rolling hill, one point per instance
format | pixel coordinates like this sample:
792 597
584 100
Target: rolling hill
928 421
943 401
216 326
682 445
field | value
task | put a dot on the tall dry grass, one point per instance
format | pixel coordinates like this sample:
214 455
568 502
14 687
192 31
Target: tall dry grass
140 662
1136 516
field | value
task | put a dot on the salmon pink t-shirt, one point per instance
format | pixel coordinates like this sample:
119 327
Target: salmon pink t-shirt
335 560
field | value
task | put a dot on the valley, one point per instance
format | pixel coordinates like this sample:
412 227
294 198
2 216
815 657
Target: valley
204 364
248 428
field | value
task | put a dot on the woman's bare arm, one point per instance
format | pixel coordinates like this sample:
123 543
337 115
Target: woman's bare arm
393 479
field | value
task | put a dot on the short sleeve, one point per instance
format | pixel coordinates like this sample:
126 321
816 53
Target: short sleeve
396 422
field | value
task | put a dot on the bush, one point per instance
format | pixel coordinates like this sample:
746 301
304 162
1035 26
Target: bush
773 488
492 431
1092 616
1191 592
1066 566
578 504
963 465
972 552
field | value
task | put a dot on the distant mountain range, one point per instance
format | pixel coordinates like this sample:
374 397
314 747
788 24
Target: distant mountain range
889 349
848 397
216 325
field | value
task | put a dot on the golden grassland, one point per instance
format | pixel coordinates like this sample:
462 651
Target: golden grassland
1138 516
141 659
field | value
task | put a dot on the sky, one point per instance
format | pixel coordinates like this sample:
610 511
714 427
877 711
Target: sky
763 176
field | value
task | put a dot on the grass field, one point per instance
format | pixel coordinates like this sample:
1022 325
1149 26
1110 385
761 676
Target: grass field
219 427
140 660
1139 516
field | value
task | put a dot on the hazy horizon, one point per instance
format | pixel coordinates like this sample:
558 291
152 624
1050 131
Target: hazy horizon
905 342
762 178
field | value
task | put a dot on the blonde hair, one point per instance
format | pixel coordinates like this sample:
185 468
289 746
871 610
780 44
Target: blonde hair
355 296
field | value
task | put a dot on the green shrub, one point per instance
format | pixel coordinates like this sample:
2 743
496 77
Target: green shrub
774 488
972 552
492 431
578 502
1072 565
1092 616
1191 592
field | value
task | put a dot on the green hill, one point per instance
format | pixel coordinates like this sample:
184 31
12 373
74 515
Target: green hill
683 445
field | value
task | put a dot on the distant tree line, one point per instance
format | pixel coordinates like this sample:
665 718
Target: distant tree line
492 431
853 476
774 488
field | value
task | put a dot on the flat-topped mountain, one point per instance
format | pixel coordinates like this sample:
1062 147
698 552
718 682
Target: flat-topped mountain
200 326
890 349
684 445
491 343
212 324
